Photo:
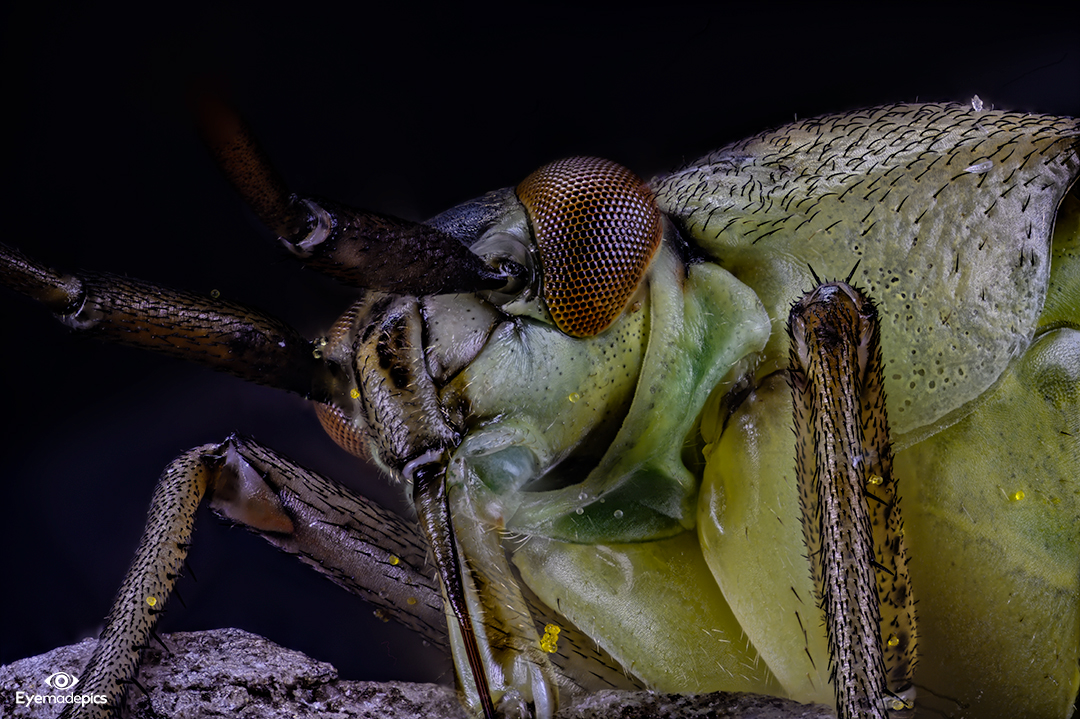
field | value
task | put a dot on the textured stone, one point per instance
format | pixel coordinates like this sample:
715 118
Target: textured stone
231 673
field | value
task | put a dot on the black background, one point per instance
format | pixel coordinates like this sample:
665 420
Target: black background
406 112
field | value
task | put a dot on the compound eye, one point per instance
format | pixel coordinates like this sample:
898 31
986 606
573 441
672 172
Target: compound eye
343 430
596 226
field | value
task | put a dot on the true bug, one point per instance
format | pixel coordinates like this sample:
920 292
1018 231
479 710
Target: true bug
685 196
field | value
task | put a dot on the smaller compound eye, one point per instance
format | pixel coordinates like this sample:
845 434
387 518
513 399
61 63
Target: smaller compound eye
597 226
343 430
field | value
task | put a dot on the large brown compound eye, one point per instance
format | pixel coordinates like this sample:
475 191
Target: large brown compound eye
596 226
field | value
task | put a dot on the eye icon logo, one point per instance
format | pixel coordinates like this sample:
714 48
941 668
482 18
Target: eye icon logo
61 680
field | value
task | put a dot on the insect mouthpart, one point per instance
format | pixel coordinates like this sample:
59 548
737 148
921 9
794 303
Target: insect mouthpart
509 251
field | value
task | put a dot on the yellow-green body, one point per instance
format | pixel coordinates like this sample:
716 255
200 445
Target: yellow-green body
681 550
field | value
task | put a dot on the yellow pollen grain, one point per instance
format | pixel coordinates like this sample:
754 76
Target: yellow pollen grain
411 600
354 393
893 640
550 641
1017 495
394 561
151 600
875 479
574 397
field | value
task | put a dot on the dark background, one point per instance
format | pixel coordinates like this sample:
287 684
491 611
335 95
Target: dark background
404 112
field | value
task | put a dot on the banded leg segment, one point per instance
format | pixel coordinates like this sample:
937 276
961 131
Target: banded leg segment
851 517
148 584
223 335
358 545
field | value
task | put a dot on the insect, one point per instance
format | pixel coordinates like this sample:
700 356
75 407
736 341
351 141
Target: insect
684 488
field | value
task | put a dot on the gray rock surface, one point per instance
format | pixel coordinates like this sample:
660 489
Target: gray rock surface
231 673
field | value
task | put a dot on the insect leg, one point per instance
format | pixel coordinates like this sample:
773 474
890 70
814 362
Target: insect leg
844 464
357 544
148 584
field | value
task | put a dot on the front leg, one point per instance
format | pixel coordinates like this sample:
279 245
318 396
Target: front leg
148 584
359 545
850 511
